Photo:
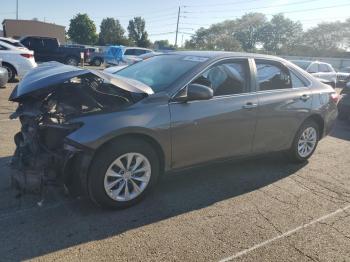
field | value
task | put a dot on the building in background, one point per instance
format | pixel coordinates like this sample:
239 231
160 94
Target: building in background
1 33
19 28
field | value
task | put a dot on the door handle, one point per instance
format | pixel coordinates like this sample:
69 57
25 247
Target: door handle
304 97
250 105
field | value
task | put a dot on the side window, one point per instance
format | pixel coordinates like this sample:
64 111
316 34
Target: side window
2 47
37 44
324 68
129 52
139 52
49 44
226 78
272 76
313 68
296 81
26 42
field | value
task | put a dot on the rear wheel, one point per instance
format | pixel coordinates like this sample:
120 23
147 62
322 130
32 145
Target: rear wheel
97 62
72 61
11 72
305 141
122 173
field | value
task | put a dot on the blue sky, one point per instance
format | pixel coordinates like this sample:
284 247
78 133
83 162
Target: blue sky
161 15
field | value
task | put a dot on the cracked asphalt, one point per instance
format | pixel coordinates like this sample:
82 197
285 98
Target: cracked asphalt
261 209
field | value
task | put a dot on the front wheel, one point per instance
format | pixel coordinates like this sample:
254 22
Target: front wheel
122 173
305 141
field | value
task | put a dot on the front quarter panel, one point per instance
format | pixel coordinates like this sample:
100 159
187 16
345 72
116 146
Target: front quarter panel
152 120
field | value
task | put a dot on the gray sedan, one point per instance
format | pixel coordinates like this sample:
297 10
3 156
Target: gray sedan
111 136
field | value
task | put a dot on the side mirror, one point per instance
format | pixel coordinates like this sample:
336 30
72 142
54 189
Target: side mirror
195 92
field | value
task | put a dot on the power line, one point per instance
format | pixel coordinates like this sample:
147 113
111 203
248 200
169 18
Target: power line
166 33
221 4
253 8
287 12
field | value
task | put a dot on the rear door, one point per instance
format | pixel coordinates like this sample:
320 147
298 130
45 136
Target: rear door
284 101
50 50
35 44
220 127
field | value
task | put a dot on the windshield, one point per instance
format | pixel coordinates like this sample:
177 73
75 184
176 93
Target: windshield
160 72
302 64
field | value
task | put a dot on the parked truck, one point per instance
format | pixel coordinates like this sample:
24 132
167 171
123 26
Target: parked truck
49 49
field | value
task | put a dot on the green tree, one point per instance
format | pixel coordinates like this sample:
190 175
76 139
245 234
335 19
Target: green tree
162 44
82 30
137 32
249 28
327 36
111 32
281 33
220 36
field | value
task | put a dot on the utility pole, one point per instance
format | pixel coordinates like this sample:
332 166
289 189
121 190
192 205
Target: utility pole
177 25
16 9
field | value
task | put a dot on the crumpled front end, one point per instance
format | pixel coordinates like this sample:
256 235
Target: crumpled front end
48 112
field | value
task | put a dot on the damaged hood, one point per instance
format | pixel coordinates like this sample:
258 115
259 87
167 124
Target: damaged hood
47 77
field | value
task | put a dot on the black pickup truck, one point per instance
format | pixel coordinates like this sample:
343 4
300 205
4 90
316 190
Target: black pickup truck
49 49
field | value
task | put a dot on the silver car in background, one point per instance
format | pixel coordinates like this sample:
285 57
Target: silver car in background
319 69
111 136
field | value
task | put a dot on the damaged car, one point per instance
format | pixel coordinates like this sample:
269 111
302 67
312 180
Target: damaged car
110 136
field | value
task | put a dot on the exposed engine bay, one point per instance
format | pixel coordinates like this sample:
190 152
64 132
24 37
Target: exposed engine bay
40 158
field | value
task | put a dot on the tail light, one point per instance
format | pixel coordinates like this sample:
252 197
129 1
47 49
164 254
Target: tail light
27 55
335 97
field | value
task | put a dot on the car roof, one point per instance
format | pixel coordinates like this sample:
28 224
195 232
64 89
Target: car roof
9 46
135 47
212 55
309 61
9 39
300 60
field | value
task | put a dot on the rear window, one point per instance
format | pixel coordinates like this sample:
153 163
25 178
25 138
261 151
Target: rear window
302 64
16 44
325 68
160 72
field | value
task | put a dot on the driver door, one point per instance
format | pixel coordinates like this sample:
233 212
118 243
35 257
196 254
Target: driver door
221 127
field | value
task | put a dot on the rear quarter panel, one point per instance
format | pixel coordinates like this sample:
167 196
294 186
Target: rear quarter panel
324 106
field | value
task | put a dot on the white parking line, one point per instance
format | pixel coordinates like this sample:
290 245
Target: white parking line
288 233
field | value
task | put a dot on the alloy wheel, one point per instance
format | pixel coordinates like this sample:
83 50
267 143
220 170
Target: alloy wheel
127 177
307 142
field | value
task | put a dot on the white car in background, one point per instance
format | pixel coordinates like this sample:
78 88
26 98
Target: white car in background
13 42
319 69
17 61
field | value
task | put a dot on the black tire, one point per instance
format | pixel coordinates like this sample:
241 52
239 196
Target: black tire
103 160
71 60
293 153
11 71
97 62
